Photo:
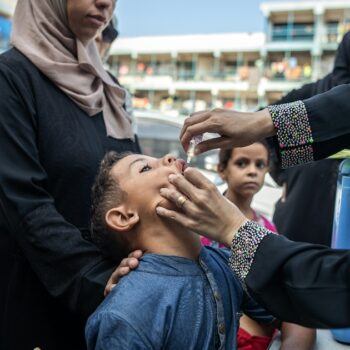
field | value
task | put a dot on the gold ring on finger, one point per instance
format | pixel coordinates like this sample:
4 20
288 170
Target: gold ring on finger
181 201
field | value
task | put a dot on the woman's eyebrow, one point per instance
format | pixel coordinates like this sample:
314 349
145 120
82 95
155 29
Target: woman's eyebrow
242 158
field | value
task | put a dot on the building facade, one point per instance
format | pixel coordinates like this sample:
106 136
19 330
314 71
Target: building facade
243 71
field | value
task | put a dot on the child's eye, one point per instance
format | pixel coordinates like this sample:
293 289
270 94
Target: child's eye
261 165
145 168
241 163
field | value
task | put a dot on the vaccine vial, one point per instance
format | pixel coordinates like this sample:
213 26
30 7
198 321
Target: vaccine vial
193 143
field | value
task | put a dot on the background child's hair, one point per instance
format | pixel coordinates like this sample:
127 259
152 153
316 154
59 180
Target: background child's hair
225 155
106 194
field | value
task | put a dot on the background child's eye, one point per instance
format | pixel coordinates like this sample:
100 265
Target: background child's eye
145 168
261 165
241 163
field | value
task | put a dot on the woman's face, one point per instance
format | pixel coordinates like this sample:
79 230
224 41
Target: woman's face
86 18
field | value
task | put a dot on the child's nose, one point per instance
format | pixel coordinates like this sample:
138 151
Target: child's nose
253 169
168 159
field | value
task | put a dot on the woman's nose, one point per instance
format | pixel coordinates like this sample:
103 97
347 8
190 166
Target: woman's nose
168 159
104 4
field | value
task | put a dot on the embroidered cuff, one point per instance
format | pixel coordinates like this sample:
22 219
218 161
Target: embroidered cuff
296 156
244 245
293 133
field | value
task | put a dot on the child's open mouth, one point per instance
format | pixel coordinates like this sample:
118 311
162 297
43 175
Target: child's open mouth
181 165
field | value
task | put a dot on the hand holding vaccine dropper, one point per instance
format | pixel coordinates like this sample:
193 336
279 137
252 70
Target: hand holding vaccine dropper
193 143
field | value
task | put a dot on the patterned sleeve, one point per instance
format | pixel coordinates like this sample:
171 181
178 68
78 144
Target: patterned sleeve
294 133
244 246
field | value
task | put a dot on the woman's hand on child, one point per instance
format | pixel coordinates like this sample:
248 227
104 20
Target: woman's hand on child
126 265
204 209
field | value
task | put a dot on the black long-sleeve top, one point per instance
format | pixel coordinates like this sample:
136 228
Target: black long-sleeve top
299 282
51 277
302 205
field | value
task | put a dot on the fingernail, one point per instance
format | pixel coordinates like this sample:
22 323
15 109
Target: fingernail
162 190
172 177
159 210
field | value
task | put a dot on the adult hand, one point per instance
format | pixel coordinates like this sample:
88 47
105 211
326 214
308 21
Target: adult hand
126 265
236 129
204 209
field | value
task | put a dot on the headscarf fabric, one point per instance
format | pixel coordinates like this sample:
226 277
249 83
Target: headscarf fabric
41 32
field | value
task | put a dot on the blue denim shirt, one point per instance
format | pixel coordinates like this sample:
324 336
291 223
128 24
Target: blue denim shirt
173 303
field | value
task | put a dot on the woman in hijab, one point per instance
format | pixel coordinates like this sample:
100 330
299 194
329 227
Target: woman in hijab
60 111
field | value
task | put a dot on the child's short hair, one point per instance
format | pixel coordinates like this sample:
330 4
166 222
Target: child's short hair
106 193
225 155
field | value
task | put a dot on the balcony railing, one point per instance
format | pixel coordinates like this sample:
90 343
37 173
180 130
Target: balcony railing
229 74
279 71
297 73
335 31
186 75
305 33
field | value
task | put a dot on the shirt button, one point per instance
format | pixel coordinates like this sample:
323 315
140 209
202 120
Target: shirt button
216 296
221 328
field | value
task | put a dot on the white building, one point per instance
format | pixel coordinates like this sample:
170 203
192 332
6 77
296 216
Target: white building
237 70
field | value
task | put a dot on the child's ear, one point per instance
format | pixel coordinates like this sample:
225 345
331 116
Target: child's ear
221 172
121 219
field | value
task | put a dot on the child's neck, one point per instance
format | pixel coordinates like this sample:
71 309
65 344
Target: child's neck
165 237
243 203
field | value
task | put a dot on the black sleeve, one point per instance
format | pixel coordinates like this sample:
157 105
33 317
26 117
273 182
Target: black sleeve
329 117
69 267
251 308
340 75
302 283
312 129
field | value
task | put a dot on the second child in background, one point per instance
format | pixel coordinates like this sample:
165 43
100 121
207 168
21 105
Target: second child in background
244 170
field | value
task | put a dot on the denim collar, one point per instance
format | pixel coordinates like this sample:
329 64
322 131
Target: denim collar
172 265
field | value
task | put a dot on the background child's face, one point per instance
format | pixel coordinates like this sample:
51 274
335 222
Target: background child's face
141 177
246 169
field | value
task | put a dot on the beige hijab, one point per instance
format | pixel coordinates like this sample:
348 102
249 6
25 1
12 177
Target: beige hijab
42 34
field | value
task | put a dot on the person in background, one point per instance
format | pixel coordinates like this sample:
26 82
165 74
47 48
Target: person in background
59 113
182 296
104 41
309 190
244 170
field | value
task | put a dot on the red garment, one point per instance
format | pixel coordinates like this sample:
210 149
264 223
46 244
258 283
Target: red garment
245 341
